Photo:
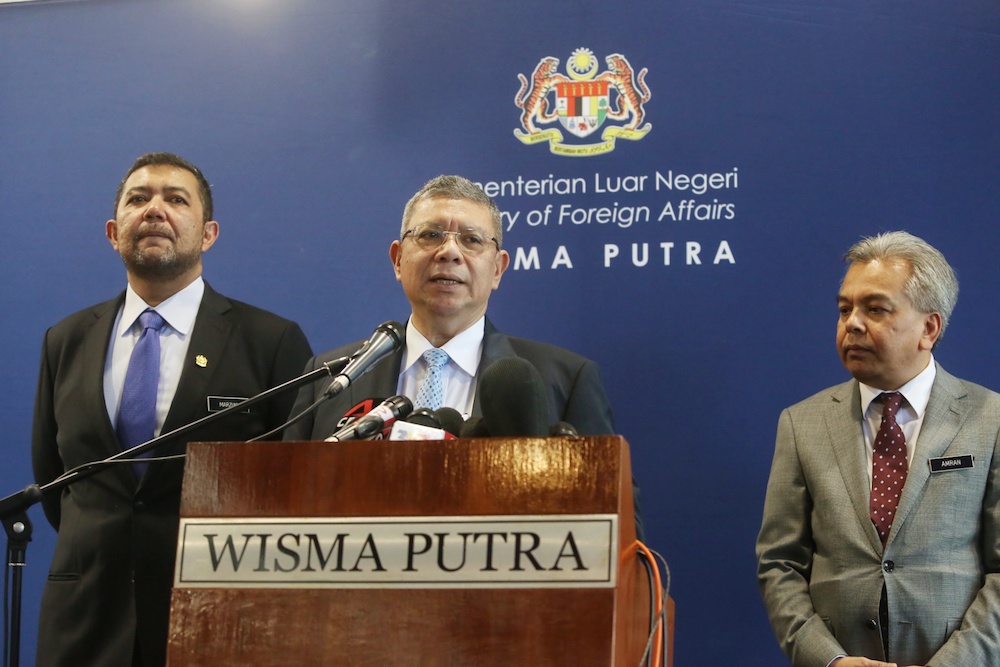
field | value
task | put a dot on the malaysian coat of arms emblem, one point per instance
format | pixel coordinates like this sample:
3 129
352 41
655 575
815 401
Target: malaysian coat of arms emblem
582 101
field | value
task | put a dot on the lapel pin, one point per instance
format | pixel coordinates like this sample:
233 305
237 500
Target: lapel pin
201 360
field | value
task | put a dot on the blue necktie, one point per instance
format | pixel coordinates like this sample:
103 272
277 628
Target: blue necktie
137 412
431 392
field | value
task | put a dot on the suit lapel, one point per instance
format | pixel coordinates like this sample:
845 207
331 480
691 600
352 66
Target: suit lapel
380 382
202 361
943 419
844 424
95 353
495 346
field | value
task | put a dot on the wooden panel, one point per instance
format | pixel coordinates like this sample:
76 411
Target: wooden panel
482 627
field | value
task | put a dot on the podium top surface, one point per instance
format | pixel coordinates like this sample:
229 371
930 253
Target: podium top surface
555 475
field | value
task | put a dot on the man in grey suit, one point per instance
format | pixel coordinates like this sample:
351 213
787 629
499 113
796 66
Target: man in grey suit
107 598
853 572
449 258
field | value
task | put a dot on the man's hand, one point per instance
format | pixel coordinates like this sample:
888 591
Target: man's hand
854 661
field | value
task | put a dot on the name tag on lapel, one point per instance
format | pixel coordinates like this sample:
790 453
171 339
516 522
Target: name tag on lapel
947 463
219 403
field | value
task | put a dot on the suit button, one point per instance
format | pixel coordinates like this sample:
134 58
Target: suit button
888 566
872 624
139 506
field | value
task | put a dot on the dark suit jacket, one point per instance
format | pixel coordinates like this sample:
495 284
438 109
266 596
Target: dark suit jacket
112 571
576 394
821 565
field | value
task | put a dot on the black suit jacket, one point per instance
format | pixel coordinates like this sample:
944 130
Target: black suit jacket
576 393
112 571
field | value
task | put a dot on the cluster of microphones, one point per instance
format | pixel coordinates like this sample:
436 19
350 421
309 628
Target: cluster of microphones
512 396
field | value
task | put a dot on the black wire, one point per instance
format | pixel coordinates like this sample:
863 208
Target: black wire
291 421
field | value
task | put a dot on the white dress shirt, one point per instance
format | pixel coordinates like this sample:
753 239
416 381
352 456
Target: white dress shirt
179 312
464 352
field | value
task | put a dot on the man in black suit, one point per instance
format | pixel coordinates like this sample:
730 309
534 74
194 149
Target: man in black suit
449 258
107 598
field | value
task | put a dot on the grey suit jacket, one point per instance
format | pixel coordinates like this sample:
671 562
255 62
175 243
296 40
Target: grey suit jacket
112 571
821 566
576 393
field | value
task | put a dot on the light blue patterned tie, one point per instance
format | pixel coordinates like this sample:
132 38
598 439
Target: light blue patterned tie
431 392
137 412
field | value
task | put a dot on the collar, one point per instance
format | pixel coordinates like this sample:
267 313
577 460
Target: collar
916 392
464 348
179 311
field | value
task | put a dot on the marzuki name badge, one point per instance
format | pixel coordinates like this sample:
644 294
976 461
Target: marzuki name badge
547 551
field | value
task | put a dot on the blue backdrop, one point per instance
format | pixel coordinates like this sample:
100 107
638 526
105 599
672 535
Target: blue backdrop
709 301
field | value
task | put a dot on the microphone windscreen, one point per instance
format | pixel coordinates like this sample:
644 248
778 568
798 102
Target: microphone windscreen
450 420
514 399
562 428
474 427
424 417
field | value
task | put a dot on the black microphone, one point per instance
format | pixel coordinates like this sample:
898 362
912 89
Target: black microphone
388 338
562 428
474 427
424 417
450 419
514 399
426 424
382 415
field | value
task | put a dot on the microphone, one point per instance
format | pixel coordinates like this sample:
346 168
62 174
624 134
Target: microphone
562 428
426 424
451 420
388 338
474 427
372 423
514 399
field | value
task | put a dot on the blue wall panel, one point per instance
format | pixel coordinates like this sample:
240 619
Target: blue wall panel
316 120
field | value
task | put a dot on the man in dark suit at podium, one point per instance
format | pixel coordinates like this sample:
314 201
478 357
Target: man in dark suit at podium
449 258
107 599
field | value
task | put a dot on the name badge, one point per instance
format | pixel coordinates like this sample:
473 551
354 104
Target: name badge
947 463
219 403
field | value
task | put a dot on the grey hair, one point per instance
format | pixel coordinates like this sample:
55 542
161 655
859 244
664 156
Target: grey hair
932 286
454 187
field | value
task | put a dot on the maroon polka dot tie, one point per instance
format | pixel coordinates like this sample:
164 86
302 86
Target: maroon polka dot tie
888 465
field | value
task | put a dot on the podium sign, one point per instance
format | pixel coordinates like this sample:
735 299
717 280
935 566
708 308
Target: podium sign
463 552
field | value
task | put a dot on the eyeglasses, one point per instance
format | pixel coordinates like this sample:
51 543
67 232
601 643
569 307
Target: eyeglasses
469 240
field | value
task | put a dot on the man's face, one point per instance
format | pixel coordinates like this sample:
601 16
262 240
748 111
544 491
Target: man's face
448 288
158 227
882 339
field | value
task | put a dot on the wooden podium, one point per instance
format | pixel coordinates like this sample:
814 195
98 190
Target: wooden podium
295 597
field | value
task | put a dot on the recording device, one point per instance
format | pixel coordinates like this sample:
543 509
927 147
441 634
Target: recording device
387 338
514 399
426 424
375 421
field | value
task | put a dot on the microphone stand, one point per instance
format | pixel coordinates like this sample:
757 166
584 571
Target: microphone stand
13 508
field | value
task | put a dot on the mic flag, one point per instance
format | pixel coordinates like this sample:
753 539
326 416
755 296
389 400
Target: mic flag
426 424
514 399
373 422
388 338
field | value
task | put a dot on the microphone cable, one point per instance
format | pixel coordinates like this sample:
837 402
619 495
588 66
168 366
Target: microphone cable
655 653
